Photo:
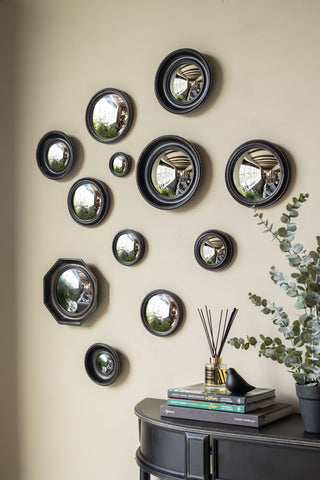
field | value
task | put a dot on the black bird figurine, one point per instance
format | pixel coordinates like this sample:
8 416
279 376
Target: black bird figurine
235 383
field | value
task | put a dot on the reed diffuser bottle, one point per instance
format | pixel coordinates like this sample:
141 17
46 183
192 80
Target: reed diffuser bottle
216 371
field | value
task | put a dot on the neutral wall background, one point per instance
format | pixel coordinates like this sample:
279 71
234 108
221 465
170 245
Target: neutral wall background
266 68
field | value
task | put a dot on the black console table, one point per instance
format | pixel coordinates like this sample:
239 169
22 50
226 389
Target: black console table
181 449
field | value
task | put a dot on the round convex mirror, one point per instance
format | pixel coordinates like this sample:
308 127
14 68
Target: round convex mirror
88 201
102 364
109 115
161 312
120 164
213 250
183 81
257 173
70 291
55 154
168 172
128 247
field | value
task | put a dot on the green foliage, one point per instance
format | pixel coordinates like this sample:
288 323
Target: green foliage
299 350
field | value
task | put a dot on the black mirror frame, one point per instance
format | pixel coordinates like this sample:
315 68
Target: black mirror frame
284 180
226 240
92 372
162 79
105 201
127 164
145 164
139 238
50 299
42 154
96 97
144 319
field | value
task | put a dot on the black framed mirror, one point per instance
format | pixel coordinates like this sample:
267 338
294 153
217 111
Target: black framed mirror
257 173
161 312
168 172
109 115
88 201
183 81
128 247
55 154
70 291
102 364
120 164
213 250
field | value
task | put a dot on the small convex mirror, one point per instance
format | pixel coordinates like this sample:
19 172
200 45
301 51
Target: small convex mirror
55 154
109 115
213 250
257 173
183 81
161 312
74 290
120 164
102 364
128 247
88 201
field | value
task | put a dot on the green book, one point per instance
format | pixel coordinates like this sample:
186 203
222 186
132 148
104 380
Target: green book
222 407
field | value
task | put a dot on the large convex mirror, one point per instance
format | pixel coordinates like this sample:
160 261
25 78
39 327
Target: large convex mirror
183 81
109 115
257 173
70 291
128 247
102 364
88 201
168 172
55 154
213 250
161 312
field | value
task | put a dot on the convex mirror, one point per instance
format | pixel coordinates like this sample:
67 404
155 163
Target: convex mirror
102 364
70 291
120 164
213 250
161 312
257 173
183 81
109 115
55 154
88 201
128 247
168 172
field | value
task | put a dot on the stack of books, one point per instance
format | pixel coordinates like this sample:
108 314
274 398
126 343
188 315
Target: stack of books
253 409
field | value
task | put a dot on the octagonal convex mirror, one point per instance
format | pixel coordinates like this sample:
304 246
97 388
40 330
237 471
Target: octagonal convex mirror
102 364
168 172
213 250
120 164
128 247
70 291
55 154
257 173
161 312
109 115
183 81
88 201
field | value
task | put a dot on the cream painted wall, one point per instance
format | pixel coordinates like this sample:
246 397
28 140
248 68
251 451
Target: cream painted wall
266 67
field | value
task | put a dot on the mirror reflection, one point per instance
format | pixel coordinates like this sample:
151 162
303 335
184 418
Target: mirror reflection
87 202
212 250
172 173
110 116
74 291
128 247
186 82
257 174
119 163
58 156
104 363
162 312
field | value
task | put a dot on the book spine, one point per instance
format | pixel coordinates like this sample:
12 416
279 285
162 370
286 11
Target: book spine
212 398
222 407
209 416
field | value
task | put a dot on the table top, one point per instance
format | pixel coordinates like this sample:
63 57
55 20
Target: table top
287 431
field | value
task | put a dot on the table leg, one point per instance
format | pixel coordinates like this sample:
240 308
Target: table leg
144 475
